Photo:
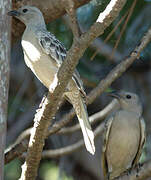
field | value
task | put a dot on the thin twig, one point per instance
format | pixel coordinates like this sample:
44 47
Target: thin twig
110 34
124 26
99 116
21 144
16 150
71 148
71 11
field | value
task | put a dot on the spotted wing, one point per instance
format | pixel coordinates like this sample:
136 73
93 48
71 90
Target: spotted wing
52 46
56 50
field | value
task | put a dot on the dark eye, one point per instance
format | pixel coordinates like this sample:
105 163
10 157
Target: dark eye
128 96
25 10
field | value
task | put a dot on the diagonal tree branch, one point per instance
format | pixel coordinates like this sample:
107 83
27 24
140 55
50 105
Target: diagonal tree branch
105 83
112 76
99 116
45 114
70 8
71 148
21 144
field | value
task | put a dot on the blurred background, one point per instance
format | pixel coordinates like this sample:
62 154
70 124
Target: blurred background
26 91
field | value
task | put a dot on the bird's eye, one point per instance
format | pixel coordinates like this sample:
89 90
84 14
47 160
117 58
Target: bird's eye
128 96
25 10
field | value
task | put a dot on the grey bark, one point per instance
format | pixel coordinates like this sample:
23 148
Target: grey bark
4 75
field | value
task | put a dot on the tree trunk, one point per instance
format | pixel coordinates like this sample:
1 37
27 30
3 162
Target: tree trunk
4 75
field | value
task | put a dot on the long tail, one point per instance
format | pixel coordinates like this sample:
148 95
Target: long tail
80 108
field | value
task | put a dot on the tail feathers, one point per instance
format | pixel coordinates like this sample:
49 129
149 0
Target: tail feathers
88 134
82 115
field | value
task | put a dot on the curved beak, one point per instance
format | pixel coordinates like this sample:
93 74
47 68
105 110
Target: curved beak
115 94
13 13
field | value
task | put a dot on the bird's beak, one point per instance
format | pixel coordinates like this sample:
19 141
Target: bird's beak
115 94
14 13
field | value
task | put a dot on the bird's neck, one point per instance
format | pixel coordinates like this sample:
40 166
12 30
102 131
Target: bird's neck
36 23
133 110
34 27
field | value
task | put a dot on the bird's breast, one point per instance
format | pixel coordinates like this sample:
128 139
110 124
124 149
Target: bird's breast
31 50
40 63
123 142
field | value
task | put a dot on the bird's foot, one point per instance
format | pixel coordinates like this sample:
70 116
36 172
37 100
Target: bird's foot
138 167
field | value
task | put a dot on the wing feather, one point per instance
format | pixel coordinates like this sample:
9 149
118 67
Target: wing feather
56 50
51 46
142 142
108 125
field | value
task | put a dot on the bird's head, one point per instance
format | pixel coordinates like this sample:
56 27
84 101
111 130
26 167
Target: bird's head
128 101
28 15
